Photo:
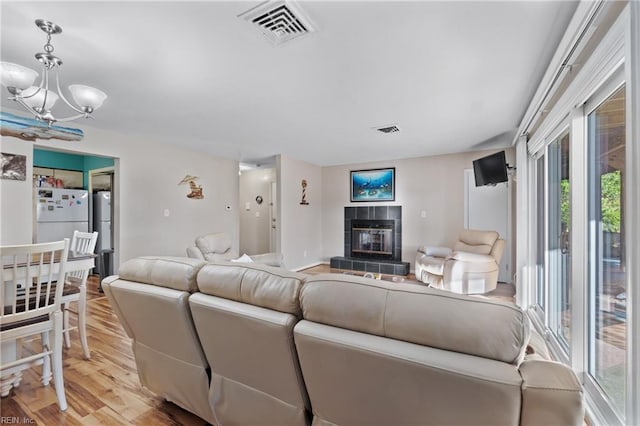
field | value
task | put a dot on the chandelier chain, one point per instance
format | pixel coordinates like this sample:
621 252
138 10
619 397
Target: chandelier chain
48 47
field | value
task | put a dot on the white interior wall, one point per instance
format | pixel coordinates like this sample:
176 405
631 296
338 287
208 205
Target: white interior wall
301 233
254 220
434 185
147 176
16 197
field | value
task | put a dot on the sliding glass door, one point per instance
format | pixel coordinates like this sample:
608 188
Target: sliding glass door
607 311
558 239
581 263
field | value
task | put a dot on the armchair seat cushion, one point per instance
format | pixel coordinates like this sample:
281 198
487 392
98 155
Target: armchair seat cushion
459 267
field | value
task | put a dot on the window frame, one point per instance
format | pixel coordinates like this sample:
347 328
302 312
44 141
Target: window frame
613 58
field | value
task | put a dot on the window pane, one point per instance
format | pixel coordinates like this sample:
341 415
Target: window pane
540 209
607 276
559 237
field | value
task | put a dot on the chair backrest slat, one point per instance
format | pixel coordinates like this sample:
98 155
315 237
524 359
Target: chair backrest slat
83 243
28 266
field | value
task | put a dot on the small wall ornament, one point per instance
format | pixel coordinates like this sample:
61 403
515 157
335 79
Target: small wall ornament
304 201
196 190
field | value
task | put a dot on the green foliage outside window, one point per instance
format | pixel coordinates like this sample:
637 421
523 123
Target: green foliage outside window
610 201
610 187
565 212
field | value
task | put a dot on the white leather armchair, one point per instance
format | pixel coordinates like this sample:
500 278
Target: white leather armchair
471 267
217 247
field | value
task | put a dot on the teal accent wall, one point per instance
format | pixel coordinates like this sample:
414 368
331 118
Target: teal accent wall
61 160
57 160
92 163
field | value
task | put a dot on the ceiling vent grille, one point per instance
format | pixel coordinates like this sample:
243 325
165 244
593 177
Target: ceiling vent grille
388 129
279 21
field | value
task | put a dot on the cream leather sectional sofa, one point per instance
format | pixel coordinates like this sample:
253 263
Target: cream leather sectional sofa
247 344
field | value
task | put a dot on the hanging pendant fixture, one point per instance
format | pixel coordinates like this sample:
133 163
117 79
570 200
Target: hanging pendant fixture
40 99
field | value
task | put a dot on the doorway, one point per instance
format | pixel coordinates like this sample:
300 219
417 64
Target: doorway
60 177
102 188
258 209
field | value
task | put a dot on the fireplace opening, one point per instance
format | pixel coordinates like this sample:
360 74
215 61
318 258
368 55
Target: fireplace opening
372 239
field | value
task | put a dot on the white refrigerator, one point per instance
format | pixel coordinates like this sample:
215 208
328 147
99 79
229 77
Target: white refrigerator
102 223
60 212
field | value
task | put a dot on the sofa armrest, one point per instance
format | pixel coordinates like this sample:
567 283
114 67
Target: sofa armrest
551 394
471 257
435 251
194 253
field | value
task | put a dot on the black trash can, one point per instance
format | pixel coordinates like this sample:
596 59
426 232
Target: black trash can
105 258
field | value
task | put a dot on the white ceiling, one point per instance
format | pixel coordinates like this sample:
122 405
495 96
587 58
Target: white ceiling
453 76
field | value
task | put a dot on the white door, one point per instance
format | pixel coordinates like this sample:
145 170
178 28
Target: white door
487 209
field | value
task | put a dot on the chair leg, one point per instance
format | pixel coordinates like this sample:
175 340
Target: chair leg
58 379
65 319
82 321
46 361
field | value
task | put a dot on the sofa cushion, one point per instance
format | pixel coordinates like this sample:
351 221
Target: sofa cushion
491 329
255 284
178 273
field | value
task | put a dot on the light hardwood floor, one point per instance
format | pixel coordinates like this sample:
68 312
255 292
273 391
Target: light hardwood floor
103 390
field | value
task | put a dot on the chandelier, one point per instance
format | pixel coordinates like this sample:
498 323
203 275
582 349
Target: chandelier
39 100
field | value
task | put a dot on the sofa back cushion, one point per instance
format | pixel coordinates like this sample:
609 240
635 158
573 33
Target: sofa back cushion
178 273
245 314
150 298
417 314
254 284
472 241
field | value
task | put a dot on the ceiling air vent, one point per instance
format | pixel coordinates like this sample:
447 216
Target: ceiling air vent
279 21
388 129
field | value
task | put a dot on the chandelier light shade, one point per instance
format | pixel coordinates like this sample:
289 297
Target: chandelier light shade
87 97
37 98
17 76
40 99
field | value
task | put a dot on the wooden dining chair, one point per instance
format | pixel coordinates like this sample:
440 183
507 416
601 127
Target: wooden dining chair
76 290
30 300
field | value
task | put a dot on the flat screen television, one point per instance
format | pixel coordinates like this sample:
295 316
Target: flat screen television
491 169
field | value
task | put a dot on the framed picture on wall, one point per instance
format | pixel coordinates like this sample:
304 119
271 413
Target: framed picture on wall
373 185
13 166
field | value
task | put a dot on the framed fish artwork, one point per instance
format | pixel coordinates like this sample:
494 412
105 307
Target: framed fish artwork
373 185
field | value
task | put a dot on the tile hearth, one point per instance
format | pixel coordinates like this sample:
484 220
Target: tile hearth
368 265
